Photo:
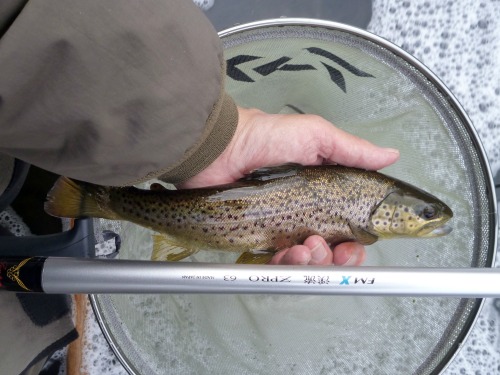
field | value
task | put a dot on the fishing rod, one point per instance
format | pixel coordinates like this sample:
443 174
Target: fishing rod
104 276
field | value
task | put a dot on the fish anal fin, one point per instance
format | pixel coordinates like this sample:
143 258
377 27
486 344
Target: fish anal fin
254 258
362 236
166 248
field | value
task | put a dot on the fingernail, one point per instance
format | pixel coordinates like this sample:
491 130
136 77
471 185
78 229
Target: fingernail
392 150
318 253
290 258
353 259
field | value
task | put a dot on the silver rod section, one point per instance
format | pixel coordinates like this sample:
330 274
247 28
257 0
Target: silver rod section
96 276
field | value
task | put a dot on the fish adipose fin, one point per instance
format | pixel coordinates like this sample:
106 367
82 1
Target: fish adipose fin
252 258
271 173
166 248
362 236
75 199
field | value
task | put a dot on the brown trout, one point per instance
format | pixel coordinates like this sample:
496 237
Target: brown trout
268 210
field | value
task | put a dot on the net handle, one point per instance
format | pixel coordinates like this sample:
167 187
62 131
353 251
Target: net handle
94 276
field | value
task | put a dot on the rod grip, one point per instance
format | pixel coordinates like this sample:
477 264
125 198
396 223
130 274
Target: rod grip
21 273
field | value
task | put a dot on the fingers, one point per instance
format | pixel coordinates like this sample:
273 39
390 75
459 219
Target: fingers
315 251
262 140
349 254
346 149
307 140
296 255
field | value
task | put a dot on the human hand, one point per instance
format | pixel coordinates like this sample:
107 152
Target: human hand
263 139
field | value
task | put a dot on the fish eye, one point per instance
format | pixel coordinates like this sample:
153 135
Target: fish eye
429 212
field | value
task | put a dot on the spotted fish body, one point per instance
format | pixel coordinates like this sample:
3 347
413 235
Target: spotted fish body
271 209
261 214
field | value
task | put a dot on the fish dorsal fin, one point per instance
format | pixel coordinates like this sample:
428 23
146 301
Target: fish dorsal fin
252 258
362 236
166 248
155 186
271 173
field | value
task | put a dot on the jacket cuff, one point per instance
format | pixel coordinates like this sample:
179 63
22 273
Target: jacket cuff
220 128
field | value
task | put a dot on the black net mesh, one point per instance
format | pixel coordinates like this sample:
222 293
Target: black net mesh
365 86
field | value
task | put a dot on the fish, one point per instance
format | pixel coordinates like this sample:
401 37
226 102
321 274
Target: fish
268 210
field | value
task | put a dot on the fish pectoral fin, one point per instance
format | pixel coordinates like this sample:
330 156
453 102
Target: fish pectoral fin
362 236
253 258
166 248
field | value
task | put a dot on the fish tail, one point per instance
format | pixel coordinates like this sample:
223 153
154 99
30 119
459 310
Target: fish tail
74 199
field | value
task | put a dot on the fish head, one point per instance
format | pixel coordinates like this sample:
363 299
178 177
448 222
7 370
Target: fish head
410 212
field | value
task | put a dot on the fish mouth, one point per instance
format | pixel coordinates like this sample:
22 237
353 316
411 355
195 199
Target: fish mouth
442 230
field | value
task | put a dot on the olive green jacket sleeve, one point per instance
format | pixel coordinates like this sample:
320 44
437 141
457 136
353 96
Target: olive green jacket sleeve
112 92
